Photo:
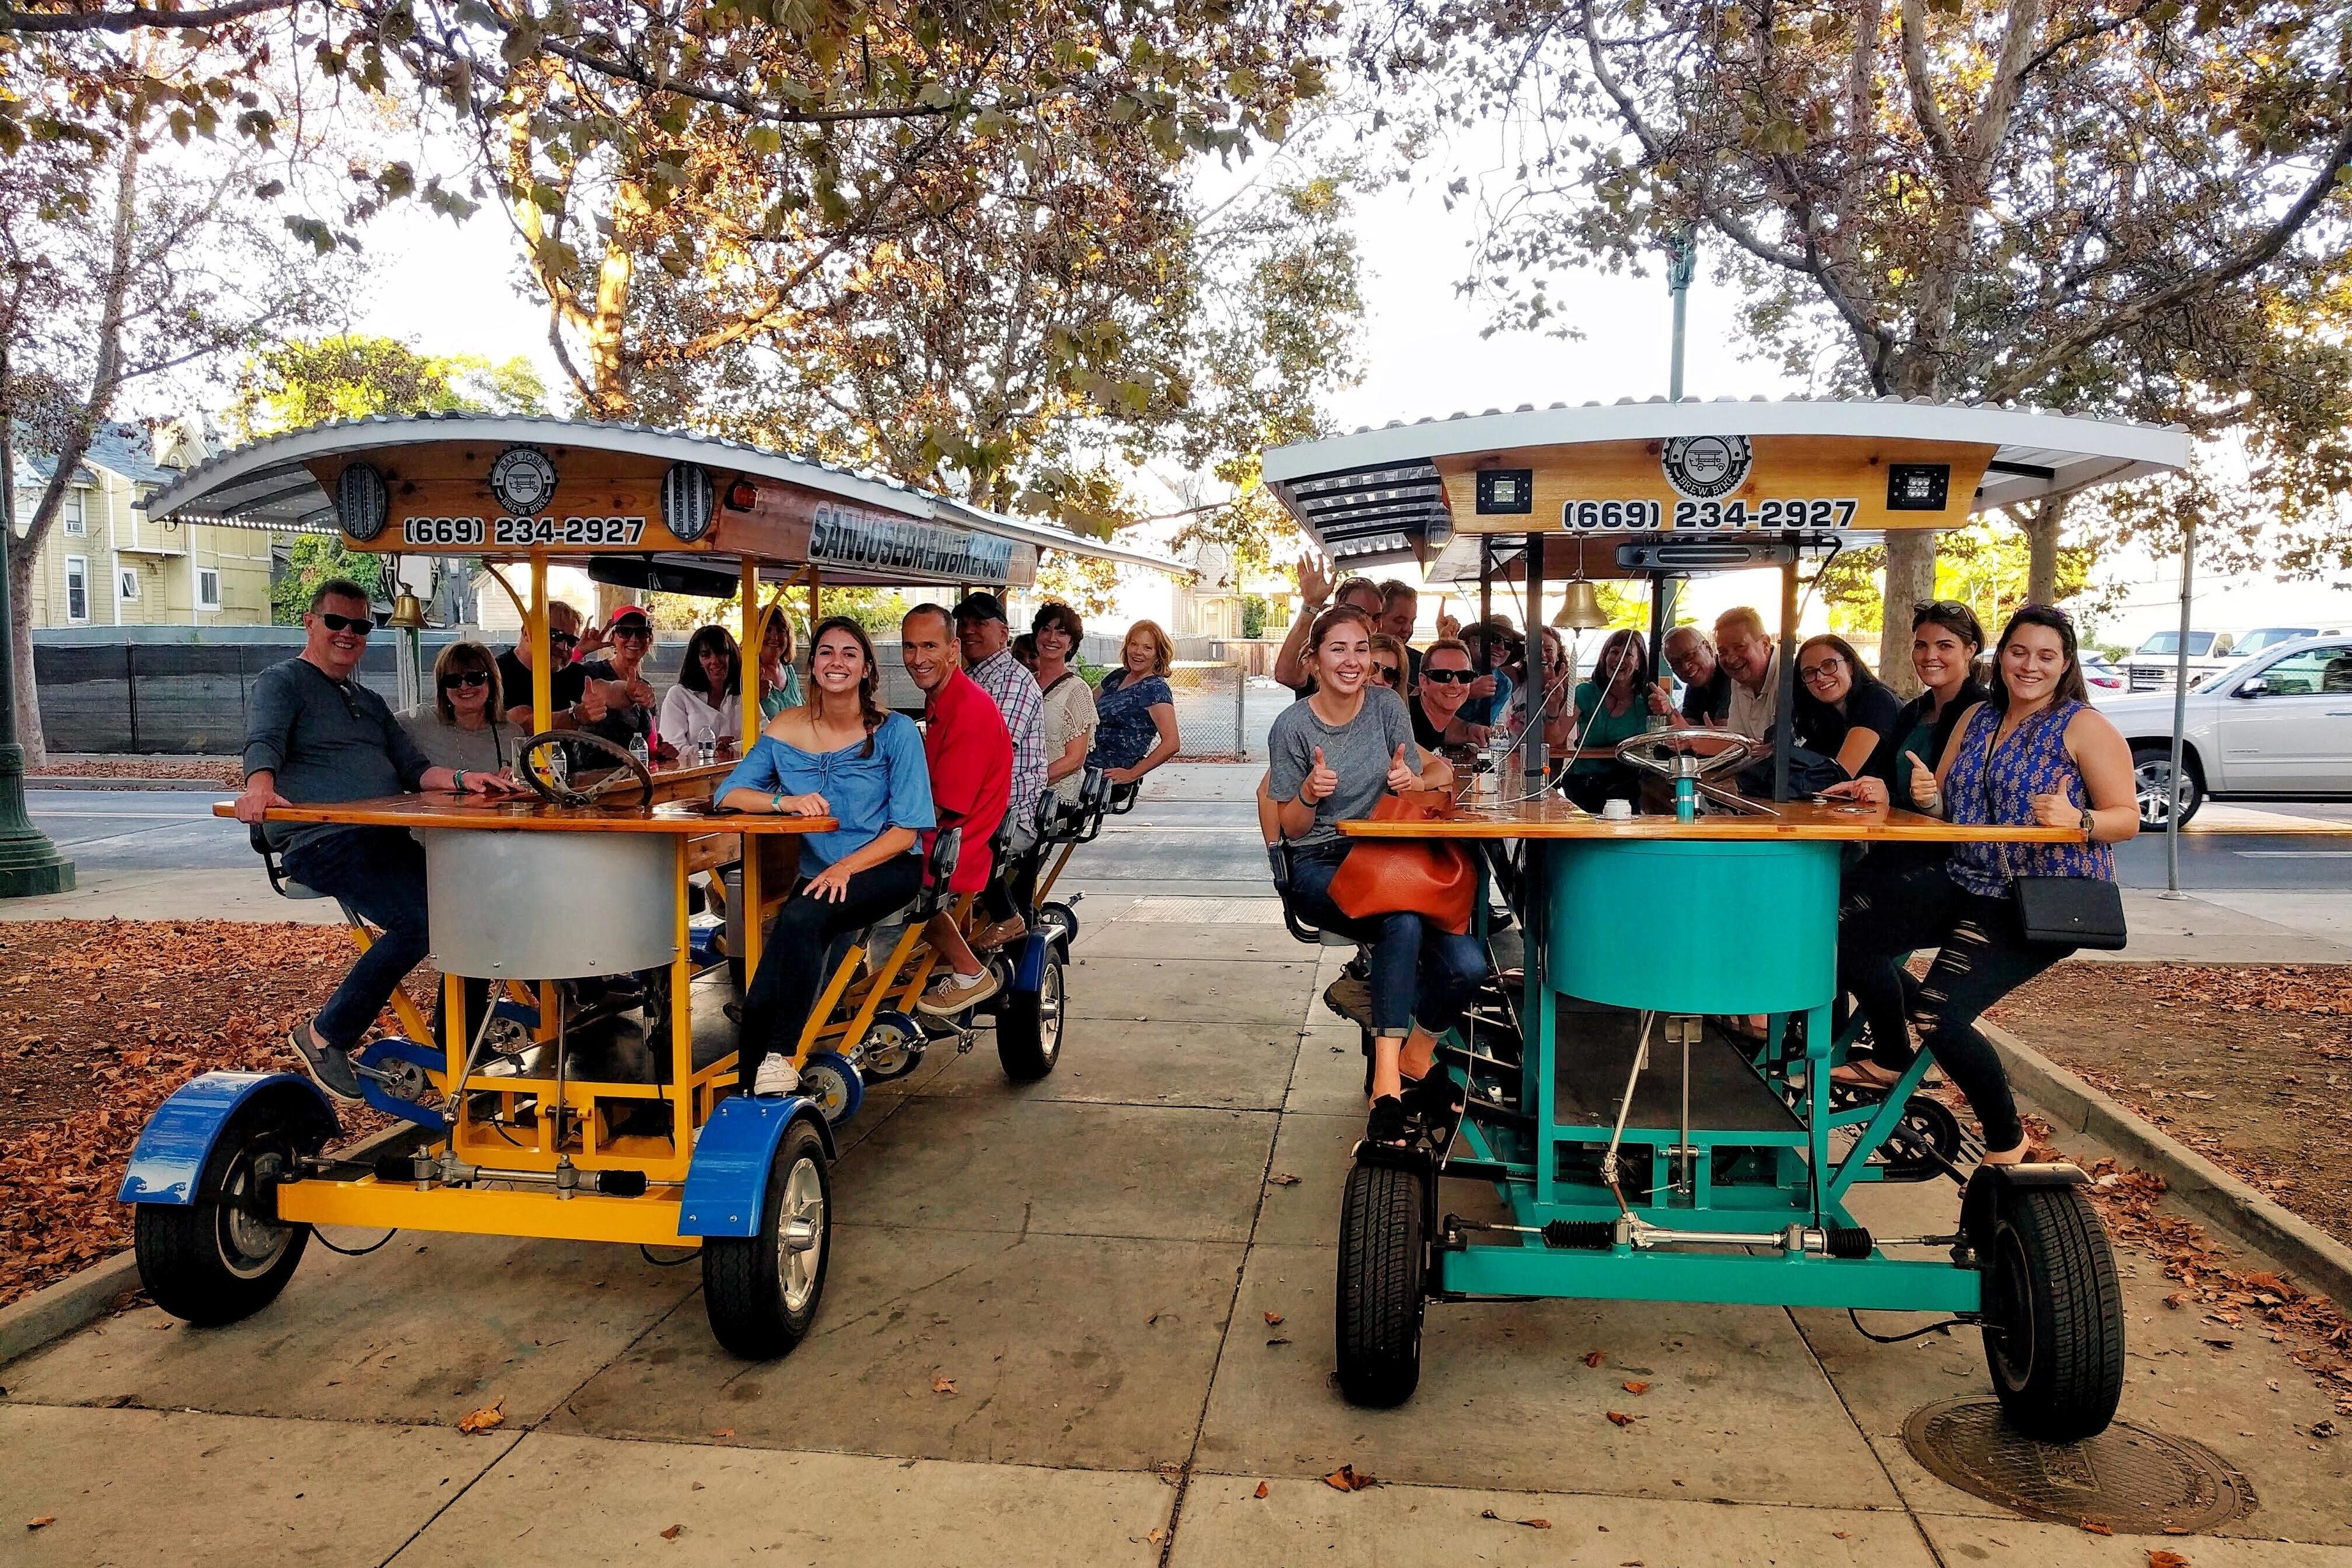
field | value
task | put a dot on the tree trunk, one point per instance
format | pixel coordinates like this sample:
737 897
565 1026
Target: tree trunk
1910 577
29 737
2041 550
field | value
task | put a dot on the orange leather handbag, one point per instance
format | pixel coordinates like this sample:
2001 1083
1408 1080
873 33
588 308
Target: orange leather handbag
1431 878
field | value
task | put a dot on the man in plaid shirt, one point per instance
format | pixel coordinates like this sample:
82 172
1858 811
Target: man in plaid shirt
988 659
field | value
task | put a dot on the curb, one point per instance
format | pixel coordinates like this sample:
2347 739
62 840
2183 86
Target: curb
53 1311
179 786
2322 1263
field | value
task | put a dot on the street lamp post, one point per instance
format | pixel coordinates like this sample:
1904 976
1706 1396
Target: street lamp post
29 864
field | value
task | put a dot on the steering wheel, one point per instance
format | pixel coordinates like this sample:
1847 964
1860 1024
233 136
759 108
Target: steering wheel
1669 753
629 771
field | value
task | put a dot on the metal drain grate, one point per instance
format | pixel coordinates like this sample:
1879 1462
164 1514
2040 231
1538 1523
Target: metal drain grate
2130 1480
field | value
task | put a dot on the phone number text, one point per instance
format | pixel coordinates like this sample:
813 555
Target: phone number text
1733 513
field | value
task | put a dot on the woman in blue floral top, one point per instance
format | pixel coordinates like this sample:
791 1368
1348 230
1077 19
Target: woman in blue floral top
2035 751
1135 712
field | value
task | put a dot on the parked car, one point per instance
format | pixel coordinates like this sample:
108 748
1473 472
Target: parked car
2151 666
2277 726
2262 637
2101 675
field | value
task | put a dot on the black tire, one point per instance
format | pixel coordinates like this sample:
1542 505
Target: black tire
1057 916
760 1294
2151 768
1383 1269
2053 1329
214 1262
1029 1023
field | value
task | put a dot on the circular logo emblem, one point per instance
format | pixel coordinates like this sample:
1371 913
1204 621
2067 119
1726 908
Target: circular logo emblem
522 480
1705 466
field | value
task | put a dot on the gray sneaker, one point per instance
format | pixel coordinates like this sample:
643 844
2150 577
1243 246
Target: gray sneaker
329 1068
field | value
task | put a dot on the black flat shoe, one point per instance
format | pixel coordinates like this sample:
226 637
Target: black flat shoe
1435 1101
1387 1121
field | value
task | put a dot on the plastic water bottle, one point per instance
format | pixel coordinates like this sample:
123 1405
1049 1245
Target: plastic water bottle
559 766
1499 759
639 750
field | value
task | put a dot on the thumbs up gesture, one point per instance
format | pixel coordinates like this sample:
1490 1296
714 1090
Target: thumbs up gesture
1400 777
1925 793
1321 780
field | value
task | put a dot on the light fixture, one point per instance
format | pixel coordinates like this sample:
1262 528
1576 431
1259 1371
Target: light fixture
1579 607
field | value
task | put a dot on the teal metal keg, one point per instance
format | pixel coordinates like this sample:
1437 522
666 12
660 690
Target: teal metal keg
1693 926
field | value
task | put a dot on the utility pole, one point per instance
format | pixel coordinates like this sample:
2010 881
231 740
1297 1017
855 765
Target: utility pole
1681 261
2180 718
29 864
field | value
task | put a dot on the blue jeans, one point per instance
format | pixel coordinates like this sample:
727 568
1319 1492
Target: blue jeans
1421 974
809 938
380 873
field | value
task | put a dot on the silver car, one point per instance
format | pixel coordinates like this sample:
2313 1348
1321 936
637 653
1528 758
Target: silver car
2277 726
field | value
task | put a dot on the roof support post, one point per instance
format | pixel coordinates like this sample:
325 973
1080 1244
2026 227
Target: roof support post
1534 740
1784 700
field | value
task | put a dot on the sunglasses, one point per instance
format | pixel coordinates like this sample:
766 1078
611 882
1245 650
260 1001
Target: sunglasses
563 639
359 625
468 679
1385 673
1448 676
633 634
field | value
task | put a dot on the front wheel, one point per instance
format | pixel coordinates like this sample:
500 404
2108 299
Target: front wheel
2152 784
1383 1264
2054 1330
1059 919
222 1258
762 1292
1029 1023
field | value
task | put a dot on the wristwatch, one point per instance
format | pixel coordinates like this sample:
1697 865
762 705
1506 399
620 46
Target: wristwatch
2089 821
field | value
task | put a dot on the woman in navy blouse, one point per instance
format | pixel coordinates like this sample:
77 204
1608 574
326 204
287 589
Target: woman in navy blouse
841 755
1135 712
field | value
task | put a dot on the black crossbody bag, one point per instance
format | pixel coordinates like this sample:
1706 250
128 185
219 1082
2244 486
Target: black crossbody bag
2060 911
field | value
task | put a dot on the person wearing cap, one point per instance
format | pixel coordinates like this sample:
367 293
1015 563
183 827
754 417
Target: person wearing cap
971 758
572 703
619 679
986 639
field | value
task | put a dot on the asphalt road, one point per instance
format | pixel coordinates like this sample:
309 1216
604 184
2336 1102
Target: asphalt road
1165 844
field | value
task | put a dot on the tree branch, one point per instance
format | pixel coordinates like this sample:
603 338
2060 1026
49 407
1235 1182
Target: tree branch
134 18
2010 382
1924 108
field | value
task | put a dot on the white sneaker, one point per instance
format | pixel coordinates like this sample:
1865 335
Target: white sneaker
957 992
777 1076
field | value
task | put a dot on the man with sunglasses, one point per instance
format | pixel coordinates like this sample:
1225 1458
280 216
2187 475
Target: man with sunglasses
315 736
574 704
617 684
1436 704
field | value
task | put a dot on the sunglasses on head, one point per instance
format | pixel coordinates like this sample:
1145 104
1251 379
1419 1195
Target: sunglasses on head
468 679
362 625
1448 676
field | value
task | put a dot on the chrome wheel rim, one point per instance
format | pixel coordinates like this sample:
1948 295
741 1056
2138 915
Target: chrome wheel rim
800 1233
1049 1013
249 1245
2156 790
886 1050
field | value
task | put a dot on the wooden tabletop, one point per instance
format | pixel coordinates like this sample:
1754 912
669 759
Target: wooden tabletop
436 809
1553 818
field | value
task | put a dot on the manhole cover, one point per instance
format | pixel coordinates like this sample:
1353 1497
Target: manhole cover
2134 1482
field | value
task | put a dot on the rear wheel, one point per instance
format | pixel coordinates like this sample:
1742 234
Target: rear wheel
1059 917
2152 782
220 1258
762 1292
2054 1329
1029 1024
1384 1264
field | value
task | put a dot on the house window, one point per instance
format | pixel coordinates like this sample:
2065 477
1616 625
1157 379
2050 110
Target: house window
207 588
77 588
126 580
76 519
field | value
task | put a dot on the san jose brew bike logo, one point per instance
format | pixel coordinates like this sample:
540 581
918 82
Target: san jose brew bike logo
1705 466
522 480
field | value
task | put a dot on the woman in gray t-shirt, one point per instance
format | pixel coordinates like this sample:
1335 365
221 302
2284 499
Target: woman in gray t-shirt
464 726
1334 754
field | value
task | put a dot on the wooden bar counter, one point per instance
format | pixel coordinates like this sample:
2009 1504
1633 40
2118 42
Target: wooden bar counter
1738 820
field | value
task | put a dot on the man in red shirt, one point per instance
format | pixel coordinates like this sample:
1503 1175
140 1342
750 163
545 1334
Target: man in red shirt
971 757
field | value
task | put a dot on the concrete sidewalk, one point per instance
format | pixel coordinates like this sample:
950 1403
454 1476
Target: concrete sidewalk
1132 1303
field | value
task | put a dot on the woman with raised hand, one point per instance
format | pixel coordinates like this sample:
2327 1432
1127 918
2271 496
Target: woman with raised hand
841 755
1333 755
2033 753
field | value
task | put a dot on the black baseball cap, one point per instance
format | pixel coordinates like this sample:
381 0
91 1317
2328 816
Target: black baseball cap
981 606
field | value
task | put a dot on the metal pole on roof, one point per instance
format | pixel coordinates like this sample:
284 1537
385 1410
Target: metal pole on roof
2180 718
1682 253
29 864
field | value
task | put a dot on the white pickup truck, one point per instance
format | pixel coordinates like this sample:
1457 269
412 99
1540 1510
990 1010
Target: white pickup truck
2276 726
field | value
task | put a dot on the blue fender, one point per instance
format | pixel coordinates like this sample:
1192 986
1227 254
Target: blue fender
169 1158
728 1181
1029 975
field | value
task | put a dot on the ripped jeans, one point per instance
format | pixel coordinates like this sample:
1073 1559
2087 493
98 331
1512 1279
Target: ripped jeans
1982 957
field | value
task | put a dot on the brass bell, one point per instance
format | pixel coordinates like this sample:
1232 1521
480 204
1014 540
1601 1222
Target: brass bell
407 612
1579 608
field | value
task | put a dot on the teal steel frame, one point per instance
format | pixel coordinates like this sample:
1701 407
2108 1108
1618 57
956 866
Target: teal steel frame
1781 962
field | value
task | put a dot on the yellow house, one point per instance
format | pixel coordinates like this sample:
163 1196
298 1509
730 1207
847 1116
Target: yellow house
105 564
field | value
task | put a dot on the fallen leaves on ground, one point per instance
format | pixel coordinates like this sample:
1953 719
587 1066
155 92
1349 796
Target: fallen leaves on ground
100 1021
44 1522
1282 1179
1531 1523
671 1533
1261 1489
490 1417
224 771
2160 1558
1592 1358
1635 1387
943 1385
1621 1418
2095 1527
1348 1479
1274 1319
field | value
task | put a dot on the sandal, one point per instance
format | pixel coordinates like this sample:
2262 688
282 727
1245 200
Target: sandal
1436 1100
1387 1122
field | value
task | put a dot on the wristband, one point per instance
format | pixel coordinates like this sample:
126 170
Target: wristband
461 781
776 803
